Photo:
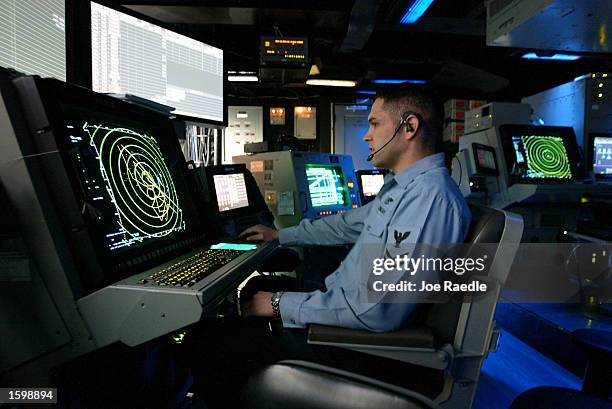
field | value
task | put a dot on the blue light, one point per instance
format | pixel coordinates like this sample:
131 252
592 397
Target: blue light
554 57
364 92
415 11
398 81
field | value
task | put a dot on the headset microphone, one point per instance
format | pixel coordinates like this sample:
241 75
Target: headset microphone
409 128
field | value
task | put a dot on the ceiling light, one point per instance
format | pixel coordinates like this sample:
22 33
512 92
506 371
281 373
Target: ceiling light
415 10
331 83
314 70
242 78
553 57
397 81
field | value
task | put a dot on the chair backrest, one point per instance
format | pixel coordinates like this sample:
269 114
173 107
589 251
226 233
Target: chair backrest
487 226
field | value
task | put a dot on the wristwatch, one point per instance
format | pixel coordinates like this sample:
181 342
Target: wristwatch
275 301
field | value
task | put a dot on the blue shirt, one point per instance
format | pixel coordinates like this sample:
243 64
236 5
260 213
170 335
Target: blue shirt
422 200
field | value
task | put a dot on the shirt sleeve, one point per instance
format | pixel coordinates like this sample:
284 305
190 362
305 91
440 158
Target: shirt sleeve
338 229
343 304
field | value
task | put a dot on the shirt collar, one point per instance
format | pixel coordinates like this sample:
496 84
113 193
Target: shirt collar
406 176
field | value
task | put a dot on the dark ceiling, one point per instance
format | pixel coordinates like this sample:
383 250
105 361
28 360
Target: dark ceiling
363 39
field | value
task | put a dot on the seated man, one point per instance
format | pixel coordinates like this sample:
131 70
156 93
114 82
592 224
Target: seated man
418 203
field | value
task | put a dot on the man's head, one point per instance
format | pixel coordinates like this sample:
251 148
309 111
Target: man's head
417 135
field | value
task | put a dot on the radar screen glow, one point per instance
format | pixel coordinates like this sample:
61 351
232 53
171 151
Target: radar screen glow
545 156
326 186
138 182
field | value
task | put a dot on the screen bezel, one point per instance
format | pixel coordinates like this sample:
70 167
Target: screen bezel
84 15
480 170
211 171
569 140
216 193
366 199
56 96
591 152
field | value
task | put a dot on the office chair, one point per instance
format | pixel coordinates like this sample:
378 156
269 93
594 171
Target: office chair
305 385
456 337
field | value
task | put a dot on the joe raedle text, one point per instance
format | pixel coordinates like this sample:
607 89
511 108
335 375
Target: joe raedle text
424 286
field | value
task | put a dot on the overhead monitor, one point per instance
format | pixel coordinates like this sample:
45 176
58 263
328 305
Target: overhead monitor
284 50
540 154
601 154
326 185
231 192
33 37
134 56
370 181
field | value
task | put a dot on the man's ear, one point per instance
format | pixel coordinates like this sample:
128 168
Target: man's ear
412 126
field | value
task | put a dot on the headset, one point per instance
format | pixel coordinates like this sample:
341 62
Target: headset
402 121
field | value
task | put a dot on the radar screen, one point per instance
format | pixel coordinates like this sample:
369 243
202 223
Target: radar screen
128 184
326 185
541 157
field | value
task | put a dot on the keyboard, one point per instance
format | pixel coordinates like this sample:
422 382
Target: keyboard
189 271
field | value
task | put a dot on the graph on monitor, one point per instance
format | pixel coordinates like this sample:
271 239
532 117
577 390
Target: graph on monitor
126 171
326 186
541 156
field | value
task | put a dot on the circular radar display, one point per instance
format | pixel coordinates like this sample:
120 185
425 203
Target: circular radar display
138 181
547 157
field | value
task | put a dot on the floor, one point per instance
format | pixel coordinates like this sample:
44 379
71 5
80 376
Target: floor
513 369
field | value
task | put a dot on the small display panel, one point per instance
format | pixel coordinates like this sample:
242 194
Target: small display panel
326 186
284 49
602 155
540 154
371 184
231 191
485 160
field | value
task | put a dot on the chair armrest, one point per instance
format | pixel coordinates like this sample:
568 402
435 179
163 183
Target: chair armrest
412 345
420 337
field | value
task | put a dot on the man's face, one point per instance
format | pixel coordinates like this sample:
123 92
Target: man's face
382 126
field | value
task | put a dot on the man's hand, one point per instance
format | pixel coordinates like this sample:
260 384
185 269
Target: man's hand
259 233
259 306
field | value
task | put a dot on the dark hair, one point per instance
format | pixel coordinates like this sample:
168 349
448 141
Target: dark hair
421 101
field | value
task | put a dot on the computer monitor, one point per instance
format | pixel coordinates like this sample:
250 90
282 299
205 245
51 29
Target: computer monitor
133 56
540 154
600 147
485 160
326 186
33 37
370 181
122 168
230 191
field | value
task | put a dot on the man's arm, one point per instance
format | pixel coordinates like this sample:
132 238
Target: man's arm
343 304
337 229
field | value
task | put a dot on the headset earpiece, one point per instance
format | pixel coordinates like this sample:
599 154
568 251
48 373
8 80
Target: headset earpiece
409 127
